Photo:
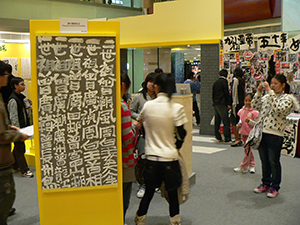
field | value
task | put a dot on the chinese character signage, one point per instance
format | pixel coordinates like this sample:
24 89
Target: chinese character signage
238 42
273 41
76 79
294 44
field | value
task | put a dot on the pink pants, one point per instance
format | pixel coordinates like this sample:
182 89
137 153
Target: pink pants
248 159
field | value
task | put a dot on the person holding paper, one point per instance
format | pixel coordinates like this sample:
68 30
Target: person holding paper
19 118
8 134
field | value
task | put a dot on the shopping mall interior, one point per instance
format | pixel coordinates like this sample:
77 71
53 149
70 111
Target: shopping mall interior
178 36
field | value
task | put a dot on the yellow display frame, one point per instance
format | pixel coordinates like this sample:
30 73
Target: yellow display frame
84 205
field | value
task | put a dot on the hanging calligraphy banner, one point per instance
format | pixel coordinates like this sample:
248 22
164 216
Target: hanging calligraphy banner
238 42
294 44
273 41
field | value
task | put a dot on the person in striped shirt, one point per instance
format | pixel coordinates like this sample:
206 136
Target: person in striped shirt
129 132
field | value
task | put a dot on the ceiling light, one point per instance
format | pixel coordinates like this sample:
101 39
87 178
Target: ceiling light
17 41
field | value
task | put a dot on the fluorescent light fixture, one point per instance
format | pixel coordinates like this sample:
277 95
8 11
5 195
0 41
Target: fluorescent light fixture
16 41
5 32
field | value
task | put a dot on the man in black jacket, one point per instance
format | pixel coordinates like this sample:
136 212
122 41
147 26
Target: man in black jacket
19 118
222 103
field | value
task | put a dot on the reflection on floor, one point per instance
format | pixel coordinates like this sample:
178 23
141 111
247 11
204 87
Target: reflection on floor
201 144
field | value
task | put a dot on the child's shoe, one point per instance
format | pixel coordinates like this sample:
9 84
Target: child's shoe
252 169
240 170
261 188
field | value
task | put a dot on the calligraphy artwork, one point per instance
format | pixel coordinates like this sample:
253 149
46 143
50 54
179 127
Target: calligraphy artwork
294 44
273 41
290 139
25 68
238 42
26 82
76 78
14 64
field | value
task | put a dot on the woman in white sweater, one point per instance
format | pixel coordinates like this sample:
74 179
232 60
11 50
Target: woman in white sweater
273 107
146 94
162 118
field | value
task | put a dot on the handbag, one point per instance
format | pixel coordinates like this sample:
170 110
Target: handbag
139 170
255 135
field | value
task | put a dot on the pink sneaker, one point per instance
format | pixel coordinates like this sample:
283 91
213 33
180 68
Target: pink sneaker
261 188
272 193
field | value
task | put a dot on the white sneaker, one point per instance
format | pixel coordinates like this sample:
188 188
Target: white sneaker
240 170
157 190
217 140
252 169
28 174
140 193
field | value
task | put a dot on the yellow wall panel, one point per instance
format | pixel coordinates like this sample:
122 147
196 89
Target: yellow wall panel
174 23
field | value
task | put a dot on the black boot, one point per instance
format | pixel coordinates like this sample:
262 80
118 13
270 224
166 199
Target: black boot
12 211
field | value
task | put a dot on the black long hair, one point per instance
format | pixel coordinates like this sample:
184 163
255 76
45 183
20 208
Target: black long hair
149 78
125 78
3 68
239 74
166 83
282 79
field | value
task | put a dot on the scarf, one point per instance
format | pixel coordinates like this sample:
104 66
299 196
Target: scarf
235 99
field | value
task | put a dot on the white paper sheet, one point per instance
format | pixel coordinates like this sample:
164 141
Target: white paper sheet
27 130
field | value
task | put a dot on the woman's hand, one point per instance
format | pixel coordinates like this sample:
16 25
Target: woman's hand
14 128
264 85
247 120
267 88
138 124
24 137
260 88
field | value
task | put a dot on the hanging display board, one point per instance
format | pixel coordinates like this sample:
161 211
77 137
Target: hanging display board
14 62
76 79
77 117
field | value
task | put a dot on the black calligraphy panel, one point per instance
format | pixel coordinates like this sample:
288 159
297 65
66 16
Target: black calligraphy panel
76 78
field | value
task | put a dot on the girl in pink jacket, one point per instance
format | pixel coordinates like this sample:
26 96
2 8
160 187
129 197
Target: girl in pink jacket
248 116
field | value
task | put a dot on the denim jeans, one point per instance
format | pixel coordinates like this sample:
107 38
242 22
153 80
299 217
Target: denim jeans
221 114
7 194
269 152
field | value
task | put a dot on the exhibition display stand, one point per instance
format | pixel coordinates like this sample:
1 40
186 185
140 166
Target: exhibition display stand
77 117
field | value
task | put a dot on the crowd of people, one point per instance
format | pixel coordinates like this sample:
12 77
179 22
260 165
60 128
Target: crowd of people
271 104
151 110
